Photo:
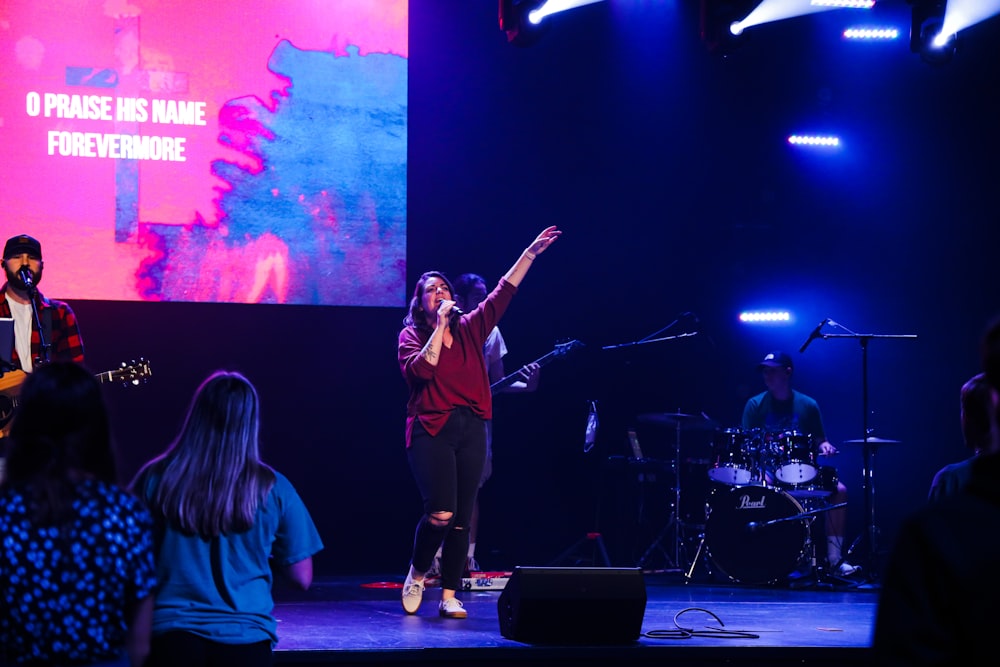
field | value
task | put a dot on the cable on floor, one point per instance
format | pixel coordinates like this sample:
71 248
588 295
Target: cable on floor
680 632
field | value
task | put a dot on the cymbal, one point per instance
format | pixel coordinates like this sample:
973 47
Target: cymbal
872 441
685 421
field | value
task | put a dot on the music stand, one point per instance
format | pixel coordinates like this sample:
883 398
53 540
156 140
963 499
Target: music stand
869 444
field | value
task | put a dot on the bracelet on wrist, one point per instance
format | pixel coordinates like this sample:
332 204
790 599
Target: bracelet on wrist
530 255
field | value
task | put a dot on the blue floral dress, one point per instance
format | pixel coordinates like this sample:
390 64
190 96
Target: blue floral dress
65 591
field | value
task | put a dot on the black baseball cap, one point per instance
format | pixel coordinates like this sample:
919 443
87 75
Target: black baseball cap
22 244
776 359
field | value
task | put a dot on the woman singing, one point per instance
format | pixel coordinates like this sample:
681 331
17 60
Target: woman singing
441 358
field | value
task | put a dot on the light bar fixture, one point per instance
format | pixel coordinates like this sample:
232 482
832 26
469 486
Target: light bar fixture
813 140
844 4
765 316
872 34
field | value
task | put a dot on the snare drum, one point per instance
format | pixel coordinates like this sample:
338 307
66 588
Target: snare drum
751 534
793 457
734 460
822 485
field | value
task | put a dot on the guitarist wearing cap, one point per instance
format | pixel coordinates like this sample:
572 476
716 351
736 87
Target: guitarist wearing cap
55 336
58 339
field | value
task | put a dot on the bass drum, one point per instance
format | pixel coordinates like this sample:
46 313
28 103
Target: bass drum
744 545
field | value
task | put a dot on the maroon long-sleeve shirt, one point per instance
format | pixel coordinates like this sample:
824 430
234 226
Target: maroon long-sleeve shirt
460 375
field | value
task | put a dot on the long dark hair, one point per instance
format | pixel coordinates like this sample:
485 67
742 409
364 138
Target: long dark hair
211 477
60 435
416 316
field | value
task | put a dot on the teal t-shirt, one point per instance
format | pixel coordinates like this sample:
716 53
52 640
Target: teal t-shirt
800 413
220 588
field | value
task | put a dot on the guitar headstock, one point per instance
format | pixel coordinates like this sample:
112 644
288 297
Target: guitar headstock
130 374
564 348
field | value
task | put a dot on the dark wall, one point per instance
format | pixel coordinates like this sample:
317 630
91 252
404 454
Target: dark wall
667 169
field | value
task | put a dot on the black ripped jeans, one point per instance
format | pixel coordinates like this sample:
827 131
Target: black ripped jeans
447 468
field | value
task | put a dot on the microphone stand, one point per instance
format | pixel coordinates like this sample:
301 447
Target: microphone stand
675 516
650 338
868 447
44 344
754 526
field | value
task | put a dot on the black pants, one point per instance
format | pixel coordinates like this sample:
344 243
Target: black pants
447 468
183 649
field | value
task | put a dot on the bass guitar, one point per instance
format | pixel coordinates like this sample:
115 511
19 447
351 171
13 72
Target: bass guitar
559 351
10 385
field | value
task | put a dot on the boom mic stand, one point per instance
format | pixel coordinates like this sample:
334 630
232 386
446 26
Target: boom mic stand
672 527
869 444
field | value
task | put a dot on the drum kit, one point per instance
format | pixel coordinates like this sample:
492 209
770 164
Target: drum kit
769 487
763 493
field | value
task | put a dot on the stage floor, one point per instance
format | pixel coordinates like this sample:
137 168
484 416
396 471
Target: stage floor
347 621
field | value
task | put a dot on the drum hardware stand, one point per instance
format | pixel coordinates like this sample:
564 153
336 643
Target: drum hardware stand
819 576
596 541
869 446
672 529
699 554
671 562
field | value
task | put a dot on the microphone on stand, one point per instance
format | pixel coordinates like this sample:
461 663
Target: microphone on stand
26 276
753 527
814 335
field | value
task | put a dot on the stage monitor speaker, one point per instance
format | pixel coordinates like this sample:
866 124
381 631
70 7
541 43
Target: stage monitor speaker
573 605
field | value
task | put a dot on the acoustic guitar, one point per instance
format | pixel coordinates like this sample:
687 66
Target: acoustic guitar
132 374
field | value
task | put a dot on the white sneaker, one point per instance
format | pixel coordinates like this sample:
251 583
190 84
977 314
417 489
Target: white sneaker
452 608
413 594
845 569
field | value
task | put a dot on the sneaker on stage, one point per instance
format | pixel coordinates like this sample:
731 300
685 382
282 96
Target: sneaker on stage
845 569
452 608
413 594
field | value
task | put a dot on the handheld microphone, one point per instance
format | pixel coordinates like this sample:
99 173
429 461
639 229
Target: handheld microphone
26 276
457 311
814 335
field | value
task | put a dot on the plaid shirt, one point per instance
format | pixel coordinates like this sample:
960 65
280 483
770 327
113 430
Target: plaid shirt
65 341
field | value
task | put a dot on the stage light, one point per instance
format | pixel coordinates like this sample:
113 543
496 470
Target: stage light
871 34
814 140
927 32
515 21
844 4
765 317
936 25
731 18
721 30
524 20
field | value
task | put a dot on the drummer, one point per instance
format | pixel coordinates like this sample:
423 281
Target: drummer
783 409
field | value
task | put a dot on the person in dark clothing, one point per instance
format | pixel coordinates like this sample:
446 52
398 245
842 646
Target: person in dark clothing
940 596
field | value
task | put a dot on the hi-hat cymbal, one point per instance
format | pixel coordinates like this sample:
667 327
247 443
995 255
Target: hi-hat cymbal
684 420
872 441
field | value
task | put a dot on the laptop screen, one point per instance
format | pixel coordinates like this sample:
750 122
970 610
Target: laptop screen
6 342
